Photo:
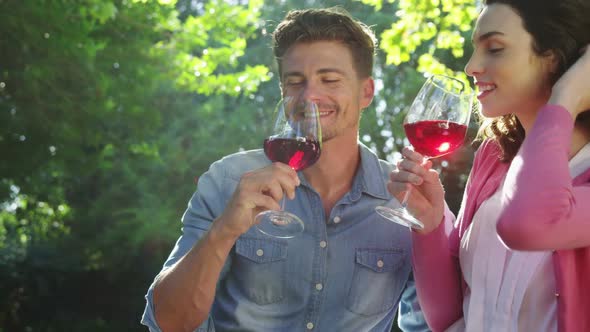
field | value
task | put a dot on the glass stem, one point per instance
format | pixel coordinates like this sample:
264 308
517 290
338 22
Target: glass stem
283 203
409 191
406 196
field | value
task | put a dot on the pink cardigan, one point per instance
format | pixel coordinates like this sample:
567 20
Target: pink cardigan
543 209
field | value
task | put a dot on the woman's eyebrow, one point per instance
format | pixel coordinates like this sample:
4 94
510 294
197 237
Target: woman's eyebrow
486 35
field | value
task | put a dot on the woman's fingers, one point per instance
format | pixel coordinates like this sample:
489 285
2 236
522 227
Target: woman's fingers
409 154
397 188
403 176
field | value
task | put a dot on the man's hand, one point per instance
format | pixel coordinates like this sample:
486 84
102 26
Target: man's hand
258 190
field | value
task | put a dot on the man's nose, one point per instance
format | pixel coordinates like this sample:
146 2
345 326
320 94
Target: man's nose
312 92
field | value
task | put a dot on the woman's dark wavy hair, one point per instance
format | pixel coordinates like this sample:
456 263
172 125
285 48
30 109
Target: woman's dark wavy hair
561 27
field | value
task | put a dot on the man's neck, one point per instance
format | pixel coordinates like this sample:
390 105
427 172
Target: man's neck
333 174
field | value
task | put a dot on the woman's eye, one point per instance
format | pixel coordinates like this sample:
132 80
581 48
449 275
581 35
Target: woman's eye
495 50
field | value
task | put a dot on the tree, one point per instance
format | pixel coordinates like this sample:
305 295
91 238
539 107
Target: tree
88 92
425 36
110 109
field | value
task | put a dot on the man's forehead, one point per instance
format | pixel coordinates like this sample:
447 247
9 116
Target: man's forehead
317 58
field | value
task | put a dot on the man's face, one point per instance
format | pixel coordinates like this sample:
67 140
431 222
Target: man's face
323 71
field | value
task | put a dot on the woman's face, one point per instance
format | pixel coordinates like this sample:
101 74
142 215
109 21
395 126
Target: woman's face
511 78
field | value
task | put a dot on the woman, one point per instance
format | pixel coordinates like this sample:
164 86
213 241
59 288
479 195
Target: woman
518 256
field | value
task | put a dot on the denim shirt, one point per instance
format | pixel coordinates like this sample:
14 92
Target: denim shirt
346 272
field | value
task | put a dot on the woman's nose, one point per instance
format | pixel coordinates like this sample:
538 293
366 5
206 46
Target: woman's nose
473 66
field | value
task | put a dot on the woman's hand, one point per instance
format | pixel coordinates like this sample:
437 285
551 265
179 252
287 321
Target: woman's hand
426 199
572 90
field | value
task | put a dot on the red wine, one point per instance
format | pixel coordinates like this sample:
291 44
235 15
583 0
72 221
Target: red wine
298 153
434 138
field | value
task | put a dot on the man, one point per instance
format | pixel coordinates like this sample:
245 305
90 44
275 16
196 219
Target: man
349 269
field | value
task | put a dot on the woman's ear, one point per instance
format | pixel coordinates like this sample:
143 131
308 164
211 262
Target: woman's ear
551 60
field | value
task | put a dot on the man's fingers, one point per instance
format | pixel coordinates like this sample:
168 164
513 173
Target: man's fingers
286 169
265 202
274 181
282 181
258 201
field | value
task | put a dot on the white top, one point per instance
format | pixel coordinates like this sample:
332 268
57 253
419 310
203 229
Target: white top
507 290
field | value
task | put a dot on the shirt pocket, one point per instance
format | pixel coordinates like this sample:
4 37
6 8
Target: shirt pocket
377 280
260 269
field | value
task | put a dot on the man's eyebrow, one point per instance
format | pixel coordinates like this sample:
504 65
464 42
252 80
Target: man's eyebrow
319 71
331 70
292 73
487 35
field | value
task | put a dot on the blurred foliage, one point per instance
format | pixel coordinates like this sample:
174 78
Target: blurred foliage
111 109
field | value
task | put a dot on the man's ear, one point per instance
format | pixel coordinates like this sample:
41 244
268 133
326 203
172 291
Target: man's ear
367 92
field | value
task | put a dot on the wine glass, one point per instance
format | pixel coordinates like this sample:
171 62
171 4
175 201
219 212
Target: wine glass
435 125
296 141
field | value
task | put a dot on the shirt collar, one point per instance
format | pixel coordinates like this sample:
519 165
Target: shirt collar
370 178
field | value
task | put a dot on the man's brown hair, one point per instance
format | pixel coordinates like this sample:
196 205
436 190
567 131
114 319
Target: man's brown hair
330 24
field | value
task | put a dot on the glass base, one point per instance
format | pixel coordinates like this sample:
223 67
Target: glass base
399 216
279 224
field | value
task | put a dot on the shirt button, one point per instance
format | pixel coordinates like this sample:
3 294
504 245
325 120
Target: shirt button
336 220
380 263
259 252
319 286
323 244
309 326
556 294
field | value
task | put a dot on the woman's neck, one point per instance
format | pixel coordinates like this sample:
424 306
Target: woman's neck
580 137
